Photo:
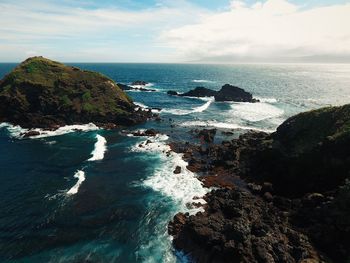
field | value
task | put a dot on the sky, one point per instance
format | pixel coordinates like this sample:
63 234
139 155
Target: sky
180 31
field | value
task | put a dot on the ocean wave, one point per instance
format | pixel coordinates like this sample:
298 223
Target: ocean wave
182 187
80 175
193 110
203 81
17 132
100 149
267 100
221 125
255 112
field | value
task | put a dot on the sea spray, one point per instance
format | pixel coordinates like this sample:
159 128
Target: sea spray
99 150
18 132
255 112
180 188
221 125
80 175
193 110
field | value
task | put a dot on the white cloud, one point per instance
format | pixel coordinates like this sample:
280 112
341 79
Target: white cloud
62 31
271 30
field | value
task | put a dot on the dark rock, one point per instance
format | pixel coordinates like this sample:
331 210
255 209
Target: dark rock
172 92
177 170
30 134
237 227
149 132
232 93
139 83
207 135
199 92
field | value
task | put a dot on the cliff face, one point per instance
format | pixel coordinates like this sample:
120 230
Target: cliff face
41 93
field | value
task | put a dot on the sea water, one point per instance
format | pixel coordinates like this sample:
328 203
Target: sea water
83 194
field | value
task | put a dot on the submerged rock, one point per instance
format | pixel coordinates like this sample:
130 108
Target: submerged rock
172 93
139 83
42 93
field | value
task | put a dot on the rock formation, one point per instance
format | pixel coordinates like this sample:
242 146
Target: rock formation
284 197
226 93
44 93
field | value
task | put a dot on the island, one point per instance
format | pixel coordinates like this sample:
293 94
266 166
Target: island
41 93
226 93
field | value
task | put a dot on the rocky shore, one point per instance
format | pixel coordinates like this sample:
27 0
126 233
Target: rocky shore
282 197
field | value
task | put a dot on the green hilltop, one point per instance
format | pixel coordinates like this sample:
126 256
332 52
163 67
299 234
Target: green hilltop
40 92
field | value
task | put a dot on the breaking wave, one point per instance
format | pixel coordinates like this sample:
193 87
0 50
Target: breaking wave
80 175
100 149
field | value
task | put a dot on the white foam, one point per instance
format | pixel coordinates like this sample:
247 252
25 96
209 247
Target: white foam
80 175
221 125
255 111
100 149
182 187
267 100
17 131
140 104
14 130
202 81
193 110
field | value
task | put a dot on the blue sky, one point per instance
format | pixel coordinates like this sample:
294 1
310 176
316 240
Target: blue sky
176 31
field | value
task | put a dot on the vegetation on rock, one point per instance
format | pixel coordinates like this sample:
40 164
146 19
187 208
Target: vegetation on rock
40 93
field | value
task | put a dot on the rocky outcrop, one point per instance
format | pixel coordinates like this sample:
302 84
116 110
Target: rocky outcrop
44 93
199 92
301 172
233 93
226 93
238 227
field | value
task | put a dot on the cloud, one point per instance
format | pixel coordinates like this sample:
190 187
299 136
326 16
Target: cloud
69 32
274 30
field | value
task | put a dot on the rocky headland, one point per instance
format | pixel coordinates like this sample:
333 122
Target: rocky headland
282 197
226 93
41 93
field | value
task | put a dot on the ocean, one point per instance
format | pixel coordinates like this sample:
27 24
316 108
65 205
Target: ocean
91 195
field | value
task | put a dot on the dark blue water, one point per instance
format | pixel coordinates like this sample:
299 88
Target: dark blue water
121 209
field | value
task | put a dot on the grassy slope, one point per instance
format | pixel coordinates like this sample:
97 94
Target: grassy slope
40 85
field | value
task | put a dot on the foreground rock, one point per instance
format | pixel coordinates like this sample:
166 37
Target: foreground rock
238 227
44 93
300 172
226 93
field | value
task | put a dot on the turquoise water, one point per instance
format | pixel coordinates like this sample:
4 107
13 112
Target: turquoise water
121 209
